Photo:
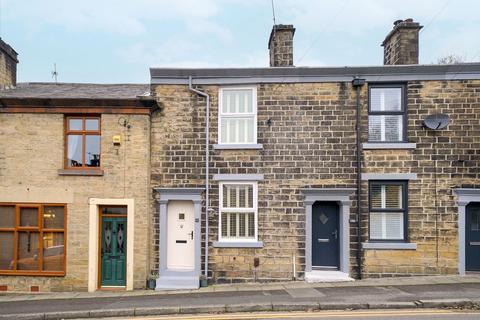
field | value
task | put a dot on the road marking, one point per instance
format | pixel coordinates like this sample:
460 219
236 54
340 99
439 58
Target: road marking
318 315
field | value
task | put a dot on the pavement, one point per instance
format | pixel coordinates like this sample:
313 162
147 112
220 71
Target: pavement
391 293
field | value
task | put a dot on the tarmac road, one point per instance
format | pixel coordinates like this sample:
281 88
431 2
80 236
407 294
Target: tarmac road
426 314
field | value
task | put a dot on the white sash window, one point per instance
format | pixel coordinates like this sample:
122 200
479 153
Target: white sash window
387 202
386 119
237 121
238 211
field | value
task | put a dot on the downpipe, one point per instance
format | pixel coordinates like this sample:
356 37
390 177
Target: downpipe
358 83
207 166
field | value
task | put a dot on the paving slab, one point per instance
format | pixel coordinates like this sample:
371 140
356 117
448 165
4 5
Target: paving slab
249 307
156 311
304 293
67 315
295 306
219 308
442 303
392 305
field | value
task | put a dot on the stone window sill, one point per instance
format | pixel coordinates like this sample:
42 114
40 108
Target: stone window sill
239 244
80 172
237 146
389 245
386 145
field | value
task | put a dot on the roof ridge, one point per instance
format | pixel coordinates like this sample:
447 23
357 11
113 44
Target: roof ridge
81 83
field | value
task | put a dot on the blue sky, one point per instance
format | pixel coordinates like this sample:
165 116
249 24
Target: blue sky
116 41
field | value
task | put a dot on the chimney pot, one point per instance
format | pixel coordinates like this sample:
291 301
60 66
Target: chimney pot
280 45
401 44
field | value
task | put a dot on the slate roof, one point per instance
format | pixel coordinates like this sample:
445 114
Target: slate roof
76 91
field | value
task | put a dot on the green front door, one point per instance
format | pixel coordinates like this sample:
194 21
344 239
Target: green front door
114 250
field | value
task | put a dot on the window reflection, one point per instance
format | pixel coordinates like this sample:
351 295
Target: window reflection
6 249
92 151
75 124
91 124
53 217
28 251
53 251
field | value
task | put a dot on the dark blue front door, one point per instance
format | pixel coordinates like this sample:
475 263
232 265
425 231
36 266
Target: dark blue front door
472 237
325 235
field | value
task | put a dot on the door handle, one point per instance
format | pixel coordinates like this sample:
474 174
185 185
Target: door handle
323 240
335 233
191 235
475 243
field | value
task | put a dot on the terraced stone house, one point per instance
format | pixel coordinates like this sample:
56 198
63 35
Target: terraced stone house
74 185
244 174
318 173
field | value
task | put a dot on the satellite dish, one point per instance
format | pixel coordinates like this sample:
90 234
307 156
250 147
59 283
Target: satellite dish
436 121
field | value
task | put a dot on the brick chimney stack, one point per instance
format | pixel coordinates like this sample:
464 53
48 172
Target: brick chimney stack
280 45
8 66
401 44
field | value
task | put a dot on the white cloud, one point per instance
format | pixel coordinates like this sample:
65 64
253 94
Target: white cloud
126 17
200 33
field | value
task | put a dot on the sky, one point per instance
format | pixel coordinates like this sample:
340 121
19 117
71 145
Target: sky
117 41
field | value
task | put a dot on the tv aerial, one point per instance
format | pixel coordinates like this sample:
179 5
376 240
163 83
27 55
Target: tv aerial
436 121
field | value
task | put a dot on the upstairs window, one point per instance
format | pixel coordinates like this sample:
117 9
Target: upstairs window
237 122
387 116
388 213
82 142
238 211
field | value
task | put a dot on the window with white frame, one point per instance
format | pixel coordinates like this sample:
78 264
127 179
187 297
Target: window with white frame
238 211
387 116
388 212
237 122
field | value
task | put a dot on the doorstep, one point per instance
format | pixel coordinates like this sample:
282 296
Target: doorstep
326 276
177 282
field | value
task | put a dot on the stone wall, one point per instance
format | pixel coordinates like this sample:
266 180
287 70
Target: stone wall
401 44
281 46
32 152
310 142
443 160
8 66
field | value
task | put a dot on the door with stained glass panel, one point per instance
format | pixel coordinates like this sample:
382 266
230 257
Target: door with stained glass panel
113 247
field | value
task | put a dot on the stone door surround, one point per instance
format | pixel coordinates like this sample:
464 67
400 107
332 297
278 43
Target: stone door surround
342 197
464 197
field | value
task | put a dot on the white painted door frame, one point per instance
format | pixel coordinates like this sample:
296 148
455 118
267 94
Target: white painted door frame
93 245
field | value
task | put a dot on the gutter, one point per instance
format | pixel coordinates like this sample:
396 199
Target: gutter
207 164
357 83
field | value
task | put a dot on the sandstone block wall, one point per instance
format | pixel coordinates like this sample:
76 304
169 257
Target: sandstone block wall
310 142
32 152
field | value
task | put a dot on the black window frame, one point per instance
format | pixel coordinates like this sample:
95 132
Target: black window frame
404 184
402 112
